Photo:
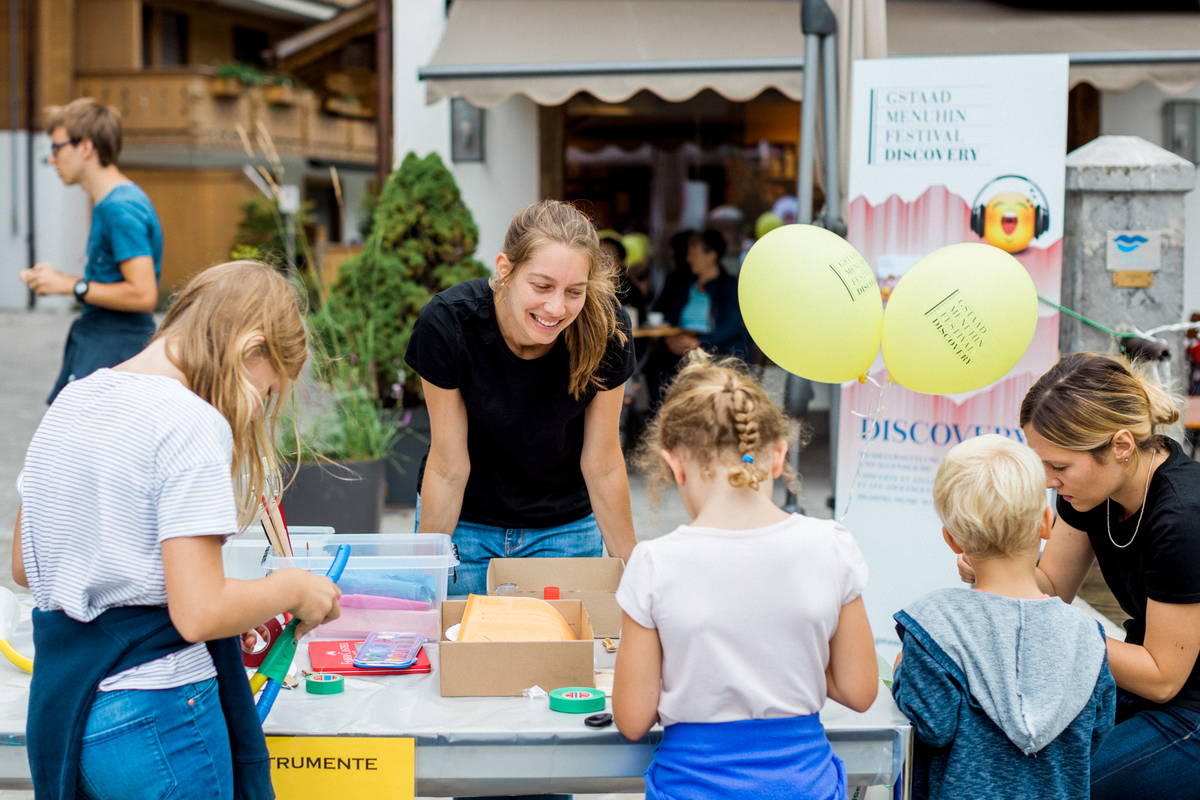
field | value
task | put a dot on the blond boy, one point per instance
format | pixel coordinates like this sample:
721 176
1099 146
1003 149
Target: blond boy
1008 690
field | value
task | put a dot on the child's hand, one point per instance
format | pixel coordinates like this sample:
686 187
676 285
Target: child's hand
966 572
318 600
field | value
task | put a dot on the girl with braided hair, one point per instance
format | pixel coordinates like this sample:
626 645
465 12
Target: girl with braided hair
738 626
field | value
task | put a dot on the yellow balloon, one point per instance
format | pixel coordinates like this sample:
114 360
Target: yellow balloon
811 302
959 319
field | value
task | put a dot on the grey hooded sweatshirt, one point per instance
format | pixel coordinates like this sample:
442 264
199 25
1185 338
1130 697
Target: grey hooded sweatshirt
1008 698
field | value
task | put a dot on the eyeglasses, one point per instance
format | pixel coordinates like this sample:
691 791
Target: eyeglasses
56 146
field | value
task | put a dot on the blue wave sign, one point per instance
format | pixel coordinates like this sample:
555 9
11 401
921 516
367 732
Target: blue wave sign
1127 244
1134 250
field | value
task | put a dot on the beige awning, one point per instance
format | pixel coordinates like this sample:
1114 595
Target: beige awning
1113 51
551 49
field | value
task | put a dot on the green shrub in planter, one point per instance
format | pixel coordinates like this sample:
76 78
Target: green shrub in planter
422 240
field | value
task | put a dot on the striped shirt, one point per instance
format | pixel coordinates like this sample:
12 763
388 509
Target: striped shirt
120 463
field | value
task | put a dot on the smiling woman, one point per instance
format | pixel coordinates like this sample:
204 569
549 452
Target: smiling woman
523 374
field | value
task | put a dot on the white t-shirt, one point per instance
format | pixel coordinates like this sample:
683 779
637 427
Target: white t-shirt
120 463
744 616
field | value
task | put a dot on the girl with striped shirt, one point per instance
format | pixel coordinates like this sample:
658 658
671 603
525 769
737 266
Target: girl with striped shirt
133 480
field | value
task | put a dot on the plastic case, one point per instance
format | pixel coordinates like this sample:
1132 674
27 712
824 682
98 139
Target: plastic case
408 566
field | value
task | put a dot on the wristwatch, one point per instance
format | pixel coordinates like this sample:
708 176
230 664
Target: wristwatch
81 289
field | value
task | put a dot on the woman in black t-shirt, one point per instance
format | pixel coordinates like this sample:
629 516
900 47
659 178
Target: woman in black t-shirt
1129 498
523 375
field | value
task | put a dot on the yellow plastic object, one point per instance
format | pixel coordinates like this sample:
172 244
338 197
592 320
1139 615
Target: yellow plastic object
512 619
637 248
256 682
959 319
766 222
16 658
811 302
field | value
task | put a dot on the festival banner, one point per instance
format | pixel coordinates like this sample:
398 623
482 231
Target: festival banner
943 151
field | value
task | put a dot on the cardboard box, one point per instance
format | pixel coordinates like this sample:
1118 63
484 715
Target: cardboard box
591 580
505 669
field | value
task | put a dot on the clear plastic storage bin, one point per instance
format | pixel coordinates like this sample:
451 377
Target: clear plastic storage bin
407 573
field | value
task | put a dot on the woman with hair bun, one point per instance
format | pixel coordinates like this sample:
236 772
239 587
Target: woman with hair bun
524 377
1128 498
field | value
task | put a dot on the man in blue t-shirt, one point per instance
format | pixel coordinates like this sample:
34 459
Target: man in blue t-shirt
119 287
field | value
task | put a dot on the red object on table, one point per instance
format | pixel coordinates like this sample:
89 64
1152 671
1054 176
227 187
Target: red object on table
338 658
550 593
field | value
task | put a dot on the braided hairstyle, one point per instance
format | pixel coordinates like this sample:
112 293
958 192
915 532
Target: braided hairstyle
716 412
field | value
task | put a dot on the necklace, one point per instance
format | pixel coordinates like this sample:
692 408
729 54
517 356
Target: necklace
1108 516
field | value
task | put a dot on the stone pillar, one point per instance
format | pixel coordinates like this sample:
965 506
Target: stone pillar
1124 183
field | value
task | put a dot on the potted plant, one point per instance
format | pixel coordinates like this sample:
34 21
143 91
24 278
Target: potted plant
422 241
229 79
280 90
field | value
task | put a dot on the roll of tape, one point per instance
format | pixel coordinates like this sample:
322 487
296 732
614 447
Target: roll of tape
324 683
577 700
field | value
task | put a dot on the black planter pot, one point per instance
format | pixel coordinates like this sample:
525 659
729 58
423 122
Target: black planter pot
406 455
347 496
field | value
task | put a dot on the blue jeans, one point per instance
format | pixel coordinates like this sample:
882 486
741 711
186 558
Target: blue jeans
141 744
1154 751
478 544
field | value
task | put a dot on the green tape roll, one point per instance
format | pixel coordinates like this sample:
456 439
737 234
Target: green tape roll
324 683
576 700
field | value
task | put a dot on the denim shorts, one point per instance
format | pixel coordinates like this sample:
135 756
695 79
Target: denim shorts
153 744
478 544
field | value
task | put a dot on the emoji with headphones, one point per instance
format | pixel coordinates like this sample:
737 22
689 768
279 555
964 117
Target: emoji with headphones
1015 213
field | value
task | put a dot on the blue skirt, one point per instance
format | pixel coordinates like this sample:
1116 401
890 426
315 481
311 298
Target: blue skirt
751 759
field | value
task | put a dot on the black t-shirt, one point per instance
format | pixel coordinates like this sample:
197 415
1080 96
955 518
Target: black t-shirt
524 428
1163 563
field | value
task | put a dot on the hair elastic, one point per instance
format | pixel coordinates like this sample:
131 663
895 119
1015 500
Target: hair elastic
749 459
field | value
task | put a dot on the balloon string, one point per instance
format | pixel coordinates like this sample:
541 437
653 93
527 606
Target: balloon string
873 418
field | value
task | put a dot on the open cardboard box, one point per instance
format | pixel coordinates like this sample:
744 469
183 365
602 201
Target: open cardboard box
594 581
505 669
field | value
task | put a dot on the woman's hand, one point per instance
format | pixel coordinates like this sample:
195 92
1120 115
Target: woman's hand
966 572
603 468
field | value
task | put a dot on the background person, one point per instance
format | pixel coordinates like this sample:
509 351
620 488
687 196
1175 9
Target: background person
524 375
119 287
1008 690
702 300
1130 499
160 458
738 626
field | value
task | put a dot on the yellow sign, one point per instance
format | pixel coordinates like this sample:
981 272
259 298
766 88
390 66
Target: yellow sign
320 767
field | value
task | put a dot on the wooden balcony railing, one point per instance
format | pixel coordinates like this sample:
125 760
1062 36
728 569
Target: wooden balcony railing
177 107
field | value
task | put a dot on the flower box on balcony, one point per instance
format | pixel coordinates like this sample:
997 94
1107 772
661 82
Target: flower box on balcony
281 95
225 88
